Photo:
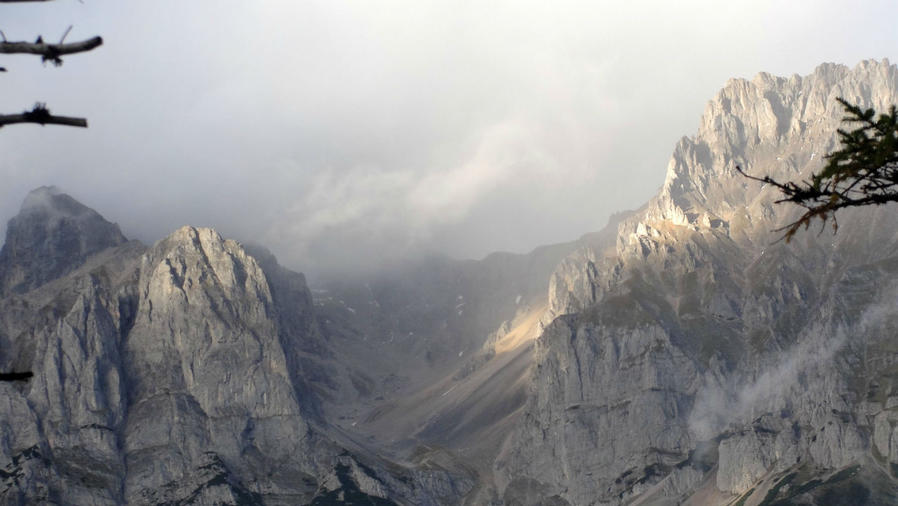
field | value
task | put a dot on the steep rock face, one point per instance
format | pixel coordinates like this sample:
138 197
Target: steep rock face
309 356
699 350
207 373
51 236
61 433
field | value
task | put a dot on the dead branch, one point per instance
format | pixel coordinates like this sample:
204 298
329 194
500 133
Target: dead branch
49 52
41 116
16 376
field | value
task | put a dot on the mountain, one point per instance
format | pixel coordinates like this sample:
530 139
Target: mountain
52 235
681 355
704 361
181 373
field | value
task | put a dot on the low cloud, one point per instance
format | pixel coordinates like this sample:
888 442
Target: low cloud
391 213
717 407
738 401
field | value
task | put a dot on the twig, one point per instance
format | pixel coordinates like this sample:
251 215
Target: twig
66 34
41 116
49 52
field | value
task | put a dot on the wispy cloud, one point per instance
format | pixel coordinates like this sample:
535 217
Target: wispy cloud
739 400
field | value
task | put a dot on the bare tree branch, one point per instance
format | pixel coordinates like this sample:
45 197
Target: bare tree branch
41 116
53 53
16 376
49 52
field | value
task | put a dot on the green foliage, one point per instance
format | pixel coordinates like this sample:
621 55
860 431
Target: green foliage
863 172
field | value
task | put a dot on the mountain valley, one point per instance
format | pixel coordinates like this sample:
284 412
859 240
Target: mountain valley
680 355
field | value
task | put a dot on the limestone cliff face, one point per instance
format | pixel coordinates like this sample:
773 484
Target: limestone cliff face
60 430
207 373
700 350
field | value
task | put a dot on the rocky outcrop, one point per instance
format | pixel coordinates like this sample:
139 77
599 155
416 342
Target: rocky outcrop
700 350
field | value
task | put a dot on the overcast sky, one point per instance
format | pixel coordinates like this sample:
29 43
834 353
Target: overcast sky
342 133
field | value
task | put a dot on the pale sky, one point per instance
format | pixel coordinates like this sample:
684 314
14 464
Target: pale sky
340 134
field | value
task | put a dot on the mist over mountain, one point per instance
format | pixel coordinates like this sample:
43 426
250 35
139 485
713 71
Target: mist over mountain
678 355
399 130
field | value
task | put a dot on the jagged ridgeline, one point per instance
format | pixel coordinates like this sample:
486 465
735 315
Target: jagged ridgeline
681 355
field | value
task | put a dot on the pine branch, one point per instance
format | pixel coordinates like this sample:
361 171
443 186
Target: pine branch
41 116
49 52
863 172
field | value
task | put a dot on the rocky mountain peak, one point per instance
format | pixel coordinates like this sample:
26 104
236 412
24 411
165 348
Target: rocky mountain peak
768 125
52 202
777 126
709 334
51 236
202 253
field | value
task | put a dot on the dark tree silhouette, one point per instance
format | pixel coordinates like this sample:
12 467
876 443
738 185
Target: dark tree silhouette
863 172
49 52
16 376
